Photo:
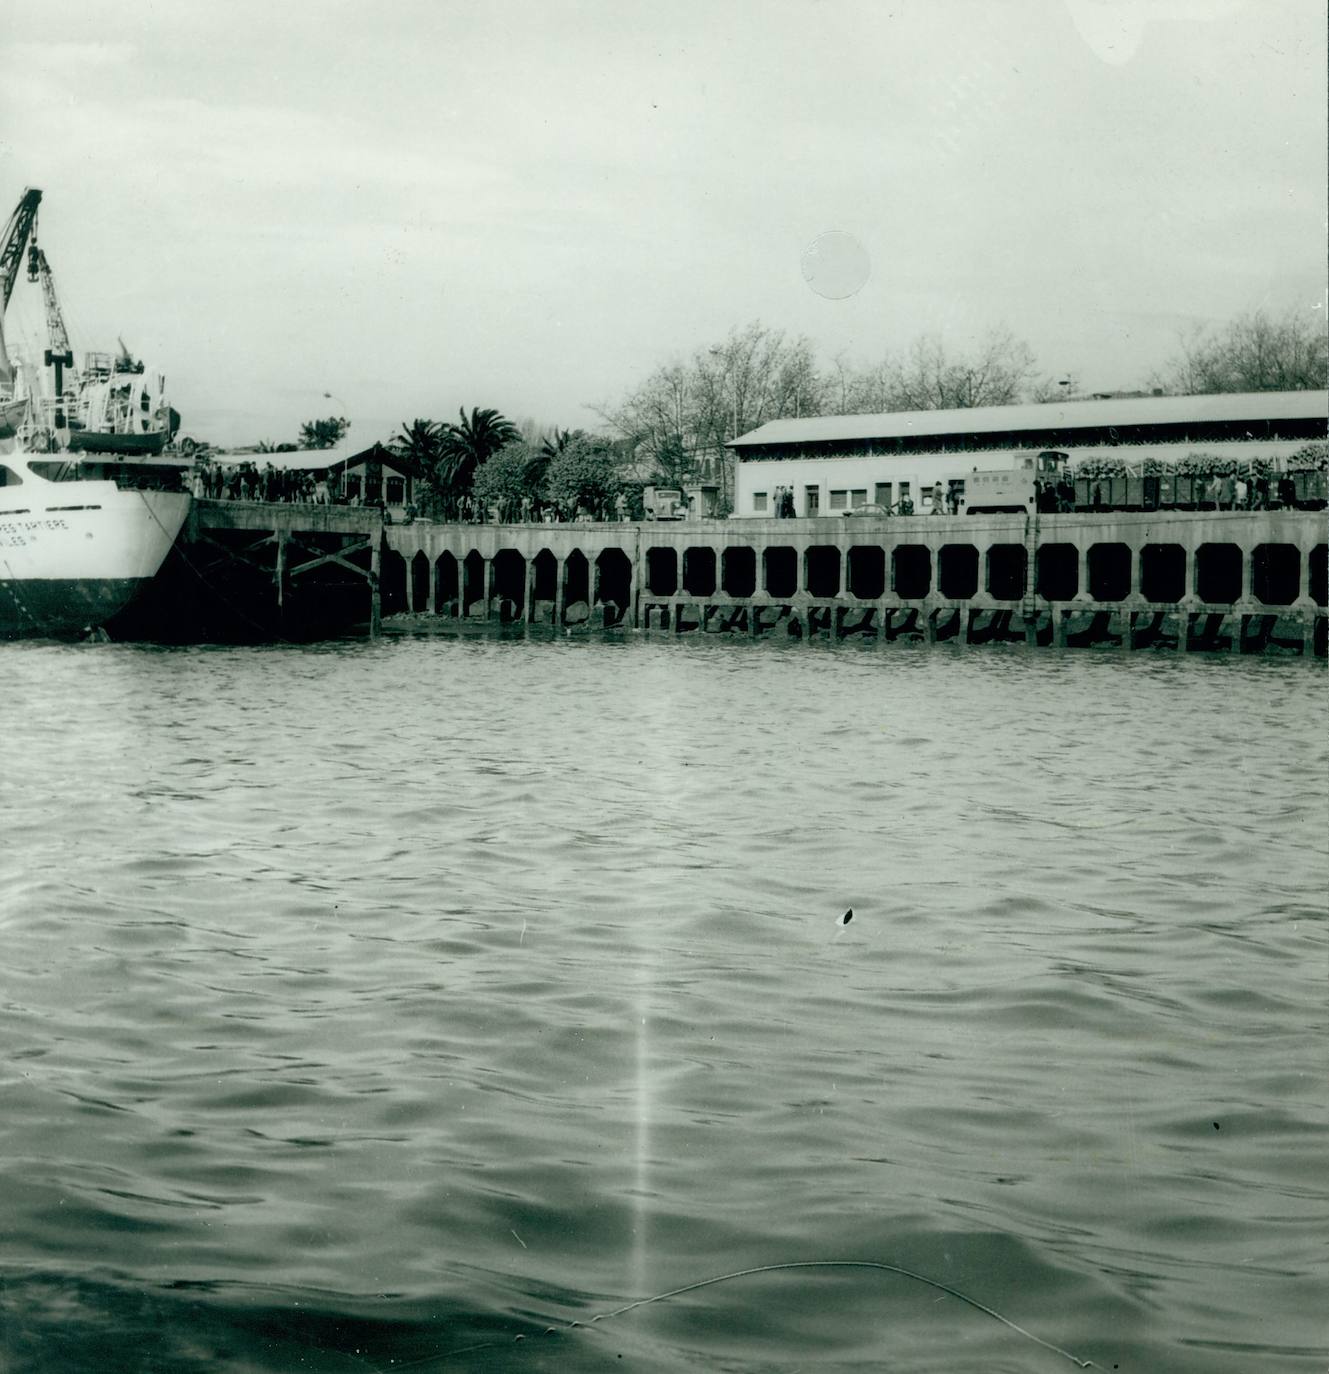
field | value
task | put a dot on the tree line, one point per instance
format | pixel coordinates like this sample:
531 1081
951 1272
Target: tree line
672 428
481 463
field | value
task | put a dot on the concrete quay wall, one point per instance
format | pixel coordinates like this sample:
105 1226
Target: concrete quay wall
1238 581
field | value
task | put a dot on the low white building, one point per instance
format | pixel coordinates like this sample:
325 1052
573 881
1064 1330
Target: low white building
831 464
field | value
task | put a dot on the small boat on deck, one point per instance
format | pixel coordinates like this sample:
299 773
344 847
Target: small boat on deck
121 408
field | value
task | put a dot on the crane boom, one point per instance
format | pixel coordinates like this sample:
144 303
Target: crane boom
12 243
59 355
57 334
14 240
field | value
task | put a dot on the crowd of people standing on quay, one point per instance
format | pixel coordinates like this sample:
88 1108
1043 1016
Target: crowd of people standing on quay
248 482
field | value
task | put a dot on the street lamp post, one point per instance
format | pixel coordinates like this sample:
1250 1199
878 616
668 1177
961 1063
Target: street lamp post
341 405
723 459
341 447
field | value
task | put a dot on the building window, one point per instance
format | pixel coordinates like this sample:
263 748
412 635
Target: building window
352 486
839 499
396 490
882 494
758 500
858 498
373 488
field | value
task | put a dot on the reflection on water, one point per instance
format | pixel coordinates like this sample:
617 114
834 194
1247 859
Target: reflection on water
370 1003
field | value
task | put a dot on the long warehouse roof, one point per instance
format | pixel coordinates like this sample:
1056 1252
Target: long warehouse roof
1252 406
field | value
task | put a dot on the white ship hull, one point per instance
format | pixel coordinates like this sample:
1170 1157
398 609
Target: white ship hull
72 554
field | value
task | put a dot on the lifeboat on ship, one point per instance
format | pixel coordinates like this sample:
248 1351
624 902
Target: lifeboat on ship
121 408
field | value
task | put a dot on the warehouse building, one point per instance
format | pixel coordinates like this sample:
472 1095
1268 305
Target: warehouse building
830 465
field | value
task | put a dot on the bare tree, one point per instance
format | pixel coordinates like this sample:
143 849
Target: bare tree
682 416
996 374
1254 352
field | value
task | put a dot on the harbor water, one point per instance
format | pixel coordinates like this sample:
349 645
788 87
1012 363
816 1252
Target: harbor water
412 1003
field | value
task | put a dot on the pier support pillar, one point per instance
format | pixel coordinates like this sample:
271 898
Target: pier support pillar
634 611
489 586
375 597
528 594
560 572
279 573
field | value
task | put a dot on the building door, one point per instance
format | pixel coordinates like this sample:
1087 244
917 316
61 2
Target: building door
882 495
812 500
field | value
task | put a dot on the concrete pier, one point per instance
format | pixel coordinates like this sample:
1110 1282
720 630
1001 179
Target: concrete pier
1230 581
256 570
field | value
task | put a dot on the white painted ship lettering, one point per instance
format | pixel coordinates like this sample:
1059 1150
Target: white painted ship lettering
17 534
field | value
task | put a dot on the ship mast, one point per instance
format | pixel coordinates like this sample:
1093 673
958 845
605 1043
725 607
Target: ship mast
12 243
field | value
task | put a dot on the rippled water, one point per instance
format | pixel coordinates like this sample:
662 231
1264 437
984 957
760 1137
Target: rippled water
385 1005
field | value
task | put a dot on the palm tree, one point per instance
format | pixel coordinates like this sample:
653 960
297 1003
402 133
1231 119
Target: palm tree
463 447
537 472
554 444
419 444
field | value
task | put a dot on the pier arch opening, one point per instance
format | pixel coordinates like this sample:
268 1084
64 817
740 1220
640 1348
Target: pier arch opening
662 571
472 584
1109 572
614 584
544 586
867 572
1057 572
1319 571
510 584
546 576
392 583
957 571
1163 573
576 588
738 571
446 586
1276 573
1008 571
822 570
699 571
420 582
779 568
1218 574
911 571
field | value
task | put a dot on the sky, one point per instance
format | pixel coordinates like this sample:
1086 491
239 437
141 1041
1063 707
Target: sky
395 210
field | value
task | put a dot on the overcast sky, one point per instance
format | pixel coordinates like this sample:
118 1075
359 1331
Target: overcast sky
420 205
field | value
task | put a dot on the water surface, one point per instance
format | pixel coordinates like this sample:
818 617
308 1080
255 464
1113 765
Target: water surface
410 1001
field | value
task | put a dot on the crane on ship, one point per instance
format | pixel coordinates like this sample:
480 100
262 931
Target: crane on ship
15 238
59 355
101 406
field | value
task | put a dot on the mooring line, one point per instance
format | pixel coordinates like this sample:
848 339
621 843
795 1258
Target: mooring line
226 601
880 1265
